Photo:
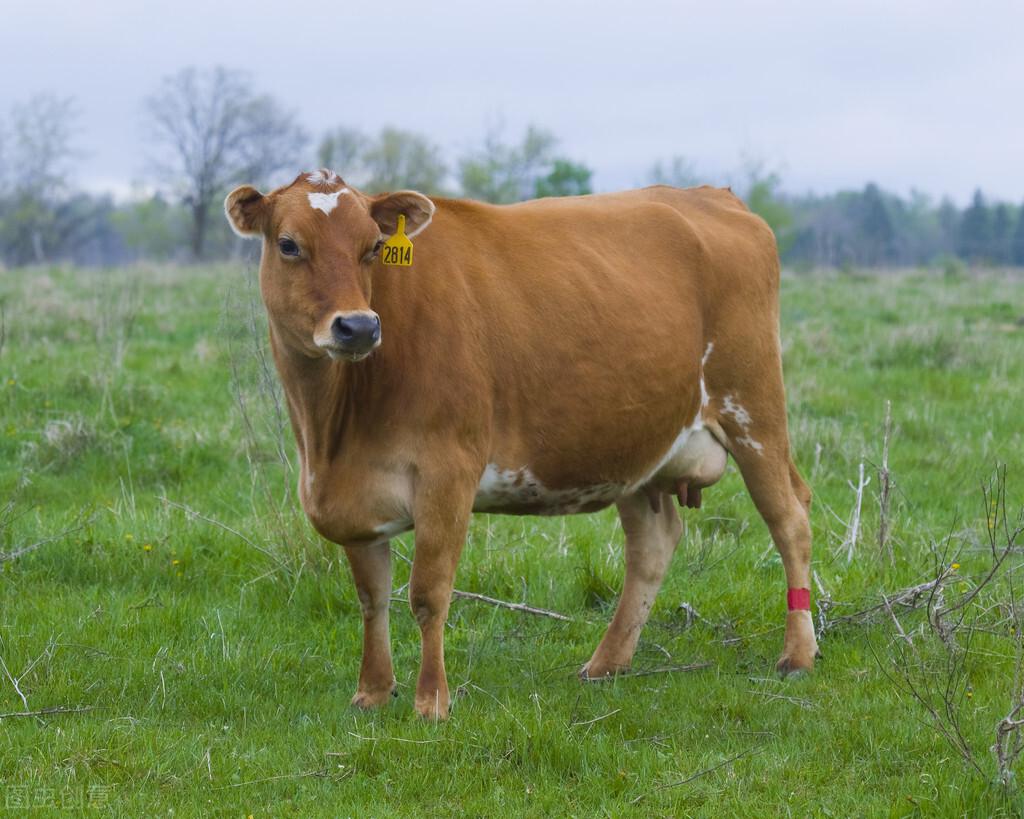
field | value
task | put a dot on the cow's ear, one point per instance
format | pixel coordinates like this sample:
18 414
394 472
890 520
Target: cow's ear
416 207
245 208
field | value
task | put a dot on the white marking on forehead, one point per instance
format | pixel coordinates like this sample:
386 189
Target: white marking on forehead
326 201
324 176
707 353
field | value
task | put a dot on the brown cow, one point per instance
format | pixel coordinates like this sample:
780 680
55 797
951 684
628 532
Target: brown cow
549 357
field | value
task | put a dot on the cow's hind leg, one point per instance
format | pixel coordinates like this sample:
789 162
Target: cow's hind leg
371 571
651 539
783 500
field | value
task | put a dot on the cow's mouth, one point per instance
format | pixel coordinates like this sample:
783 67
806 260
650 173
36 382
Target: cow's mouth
340 353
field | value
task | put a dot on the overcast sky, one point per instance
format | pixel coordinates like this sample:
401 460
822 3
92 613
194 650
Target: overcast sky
922 95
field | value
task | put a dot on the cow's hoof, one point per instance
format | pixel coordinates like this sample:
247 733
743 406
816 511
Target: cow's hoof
432 710
373 699
599 672
795 665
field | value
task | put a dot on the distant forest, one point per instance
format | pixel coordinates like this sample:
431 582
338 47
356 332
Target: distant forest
210 130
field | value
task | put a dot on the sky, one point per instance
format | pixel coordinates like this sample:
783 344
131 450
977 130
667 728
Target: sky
911 95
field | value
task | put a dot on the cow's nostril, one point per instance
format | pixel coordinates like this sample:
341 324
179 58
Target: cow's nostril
342 329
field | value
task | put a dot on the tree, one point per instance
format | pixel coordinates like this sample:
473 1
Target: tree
975 230
678 172
37 179
567 178
402 159
1017 253
1001 230
949 226
875 227
503 173
342 150
762 197
151 227
215 131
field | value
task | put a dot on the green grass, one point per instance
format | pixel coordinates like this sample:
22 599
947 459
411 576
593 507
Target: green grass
219 666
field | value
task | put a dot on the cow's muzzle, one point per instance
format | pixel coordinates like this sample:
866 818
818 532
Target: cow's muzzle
353 335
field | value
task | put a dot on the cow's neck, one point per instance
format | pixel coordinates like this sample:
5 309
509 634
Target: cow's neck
319 397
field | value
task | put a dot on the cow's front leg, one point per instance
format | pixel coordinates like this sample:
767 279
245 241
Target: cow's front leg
442 518
371 571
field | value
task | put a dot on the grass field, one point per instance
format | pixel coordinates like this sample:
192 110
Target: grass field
214 640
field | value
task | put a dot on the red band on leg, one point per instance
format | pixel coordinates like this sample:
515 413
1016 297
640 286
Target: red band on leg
798 599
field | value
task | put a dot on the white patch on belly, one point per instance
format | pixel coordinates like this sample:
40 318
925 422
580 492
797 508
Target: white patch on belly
705 399
510 489
325 201
707 353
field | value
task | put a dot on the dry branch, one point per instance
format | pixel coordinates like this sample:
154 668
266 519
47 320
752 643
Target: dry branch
504 604
853 530
697 775
668 669
53 709
31 547
884 488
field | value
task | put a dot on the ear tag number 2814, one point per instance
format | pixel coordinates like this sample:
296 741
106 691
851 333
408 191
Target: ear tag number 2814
397 250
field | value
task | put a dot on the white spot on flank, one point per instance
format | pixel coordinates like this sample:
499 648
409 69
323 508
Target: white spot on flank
746 440
325 201
324 176
707 353
739 414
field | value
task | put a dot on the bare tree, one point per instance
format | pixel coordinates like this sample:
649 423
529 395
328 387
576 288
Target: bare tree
36 171
342 149
504 173
403 159
215 132
678 171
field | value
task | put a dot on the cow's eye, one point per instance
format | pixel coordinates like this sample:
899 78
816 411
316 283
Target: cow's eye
287 247
374 251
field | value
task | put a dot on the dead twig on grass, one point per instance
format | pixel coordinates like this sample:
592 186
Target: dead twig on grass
320 772
884 488
668 669
31 547
936 673
190 512
697 775
504 604
853 529
45 712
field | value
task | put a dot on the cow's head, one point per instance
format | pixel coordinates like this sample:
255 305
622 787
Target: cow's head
321 239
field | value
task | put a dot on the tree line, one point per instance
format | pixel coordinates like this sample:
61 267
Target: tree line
210 130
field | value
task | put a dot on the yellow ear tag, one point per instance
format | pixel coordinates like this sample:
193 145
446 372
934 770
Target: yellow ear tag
397 251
